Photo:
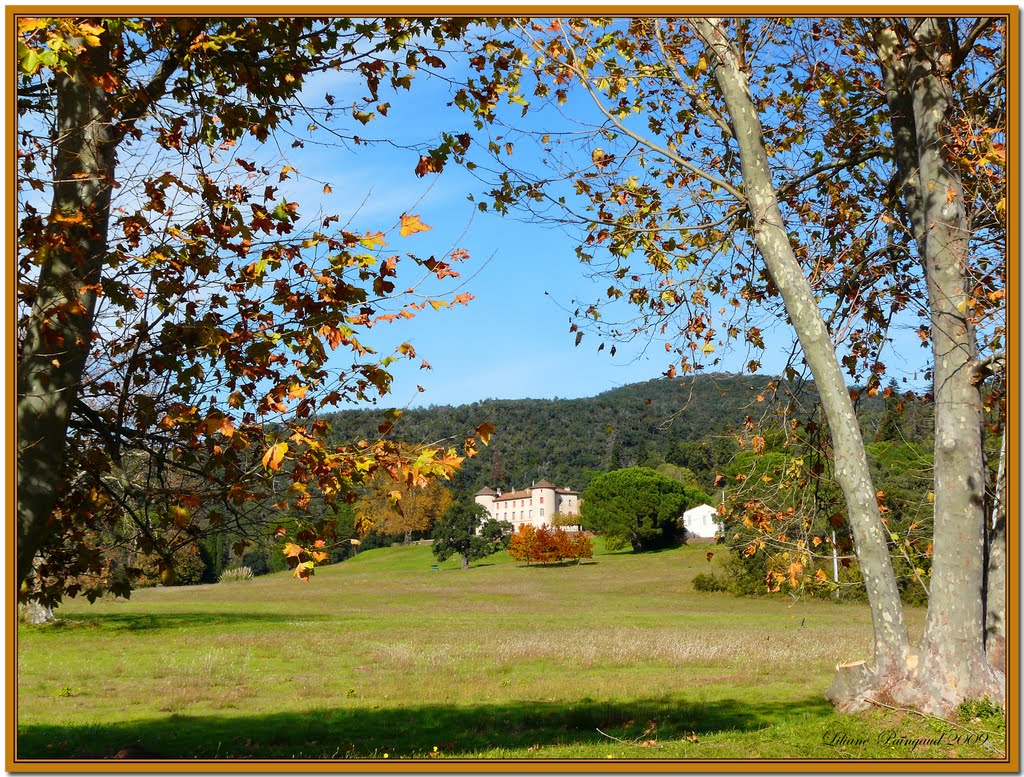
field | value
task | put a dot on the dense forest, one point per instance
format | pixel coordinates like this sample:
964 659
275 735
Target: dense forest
691 423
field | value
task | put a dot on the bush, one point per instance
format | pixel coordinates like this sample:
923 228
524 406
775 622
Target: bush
236 574
708 581
544 546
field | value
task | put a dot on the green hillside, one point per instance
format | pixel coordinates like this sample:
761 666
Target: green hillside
569 440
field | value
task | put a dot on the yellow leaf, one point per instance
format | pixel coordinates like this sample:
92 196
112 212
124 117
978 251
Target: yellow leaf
292 550
820 575
708 348
484 432
411 225
275 455
296 391
373 239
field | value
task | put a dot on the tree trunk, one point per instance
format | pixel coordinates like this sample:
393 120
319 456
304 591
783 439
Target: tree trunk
891 645
995 577
36 614
465 561
59 330
953 665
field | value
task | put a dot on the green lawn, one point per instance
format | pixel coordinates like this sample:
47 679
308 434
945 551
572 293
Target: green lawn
382 657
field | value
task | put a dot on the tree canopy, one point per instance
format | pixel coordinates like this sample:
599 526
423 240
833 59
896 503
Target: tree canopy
176 309
465 530
639 507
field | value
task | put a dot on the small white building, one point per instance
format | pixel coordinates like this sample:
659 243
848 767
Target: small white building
702 522
535 505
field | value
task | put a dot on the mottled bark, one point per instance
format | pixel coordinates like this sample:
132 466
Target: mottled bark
952 663
773 242
59 330
995 572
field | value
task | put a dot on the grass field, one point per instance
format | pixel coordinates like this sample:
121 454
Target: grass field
381 657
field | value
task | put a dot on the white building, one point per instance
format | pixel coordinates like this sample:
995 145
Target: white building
534 505
702 521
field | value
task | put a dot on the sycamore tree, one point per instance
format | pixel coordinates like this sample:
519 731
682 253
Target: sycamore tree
845 177
182 321
389 507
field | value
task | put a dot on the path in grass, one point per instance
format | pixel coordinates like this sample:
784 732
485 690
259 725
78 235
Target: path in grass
382 655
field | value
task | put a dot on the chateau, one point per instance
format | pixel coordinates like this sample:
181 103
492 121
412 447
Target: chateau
534 505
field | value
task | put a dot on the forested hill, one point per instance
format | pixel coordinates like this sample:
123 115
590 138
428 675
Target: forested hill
568 441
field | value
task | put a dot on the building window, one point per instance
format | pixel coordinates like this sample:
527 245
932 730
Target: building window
521 515
542 500
542 509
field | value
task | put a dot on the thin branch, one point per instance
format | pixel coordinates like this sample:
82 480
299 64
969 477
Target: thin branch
977 30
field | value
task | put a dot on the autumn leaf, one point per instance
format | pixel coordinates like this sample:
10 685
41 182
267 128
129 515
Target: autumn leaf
274 456
291 550
411 224
484 432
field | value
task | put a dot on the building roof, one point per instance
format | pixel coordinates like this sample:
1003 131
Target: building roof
542 484
566 491
524 494
485 491
701 510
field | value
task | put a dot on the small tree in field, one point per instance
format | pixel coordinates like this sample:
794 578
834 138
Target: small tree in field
548 546
457 534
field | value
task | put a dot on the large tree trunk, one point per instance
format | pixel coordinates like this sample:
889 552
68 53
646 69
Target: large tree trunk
995 573
851 466
59 330
953 665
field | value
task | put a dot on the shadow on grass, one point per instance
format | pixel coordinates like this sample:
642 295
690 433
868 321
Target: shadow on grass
359 732
157 621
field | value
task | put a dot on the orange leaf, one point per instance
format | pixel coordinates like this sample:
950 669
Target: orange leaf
291 550
275 455
411 225
484 432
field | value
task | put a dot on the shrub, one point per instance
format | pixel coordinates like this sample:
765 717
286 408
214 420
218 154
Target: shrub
547 546
236 574
708 581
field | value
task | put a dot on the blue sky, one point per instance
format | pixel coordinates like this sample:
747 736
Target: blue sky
513 339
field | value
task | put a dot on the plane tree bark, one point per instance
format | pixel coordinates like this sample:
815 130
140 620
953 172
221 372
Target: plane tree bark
771 236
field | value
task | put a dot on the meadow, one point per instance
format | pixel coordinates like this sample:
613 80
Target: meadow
382 657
